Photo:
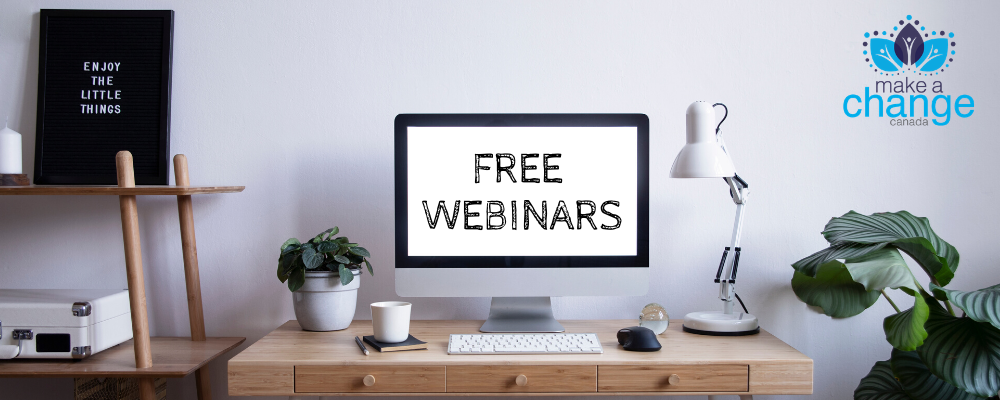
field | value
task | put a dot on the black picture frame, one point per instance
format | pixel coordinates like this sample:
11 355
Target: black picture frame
76 147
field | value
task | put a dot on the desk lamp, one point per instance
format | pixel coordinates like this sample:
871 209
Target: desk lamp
705 156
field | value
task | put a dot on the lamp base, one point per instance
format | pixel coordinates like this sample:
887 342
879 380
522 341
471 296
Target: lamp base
717 323
14 180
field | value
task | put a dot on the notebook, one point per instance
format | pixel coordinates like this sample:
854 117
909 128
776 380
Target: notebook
411 343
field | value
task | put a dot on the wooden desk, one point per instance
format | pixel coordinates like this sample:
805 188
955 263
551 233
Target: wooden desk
290 361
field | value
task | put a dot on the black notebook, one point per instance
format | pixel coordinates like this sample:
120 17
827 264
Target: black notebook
411 343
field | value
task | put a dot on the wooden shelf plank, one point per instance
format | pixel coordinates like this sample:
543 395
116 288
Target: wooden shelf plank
173 357
145 190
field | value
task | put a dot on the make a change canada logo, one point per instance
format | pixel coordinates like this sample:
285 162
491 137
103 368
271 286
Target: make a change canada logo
908 89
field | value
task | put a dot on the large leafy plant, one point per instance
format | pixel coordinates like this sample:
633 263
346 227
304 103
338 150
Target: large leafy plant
936 354
319 254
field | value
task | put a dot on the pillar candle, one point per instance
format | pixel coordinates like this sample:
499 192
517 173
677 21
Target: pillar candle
10 151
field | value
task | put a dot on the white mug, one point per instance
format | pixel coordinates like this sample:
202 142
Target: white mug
391 321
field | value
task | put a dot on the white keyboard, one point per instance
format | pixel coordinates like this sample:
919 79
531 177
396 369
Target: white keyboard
525 343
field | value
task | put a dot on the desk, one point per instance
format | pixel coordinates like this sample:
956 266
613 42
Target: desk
292 362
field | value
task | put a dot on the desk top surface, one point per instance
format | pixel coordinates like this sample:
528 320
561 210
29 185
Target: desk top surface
290 345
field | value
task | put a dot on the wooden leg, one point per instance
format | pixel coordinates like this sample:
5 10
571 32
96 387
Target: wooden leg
147 388
192 277
133 270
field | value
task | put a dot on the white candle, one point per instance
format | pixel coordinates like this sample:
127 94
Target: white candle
10 151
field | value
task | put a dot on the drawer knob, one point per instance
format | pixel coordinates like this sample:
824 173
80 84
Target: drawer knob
369 380
521 380
674 379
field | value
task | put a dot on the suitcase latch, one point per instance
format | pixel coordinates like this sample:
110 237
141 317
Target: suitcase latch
22 334
81 309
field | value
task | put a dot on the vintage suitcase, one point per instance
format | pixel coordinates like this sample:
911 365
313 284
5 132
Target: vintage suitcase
62 323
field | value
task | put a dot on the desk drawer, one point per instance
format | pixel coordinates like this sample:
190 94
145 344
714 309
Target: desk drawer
369 379
536 379
673 378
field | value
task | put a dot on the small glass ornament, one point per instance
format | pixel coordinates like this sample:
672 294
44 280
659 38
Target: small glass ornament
654 317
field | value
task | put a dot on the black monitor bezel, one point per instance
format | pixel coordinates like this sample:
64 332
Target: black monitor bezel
640 121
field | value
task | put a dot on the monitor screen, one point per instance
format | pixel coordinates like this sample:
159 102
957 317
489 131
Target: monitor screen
522 191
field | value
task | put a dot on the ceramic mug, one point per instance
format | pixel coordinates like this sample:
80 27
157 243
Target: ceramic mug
391 321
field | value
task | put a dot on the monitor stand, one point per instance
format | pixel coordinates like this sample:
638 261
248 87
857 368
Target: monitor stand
521 314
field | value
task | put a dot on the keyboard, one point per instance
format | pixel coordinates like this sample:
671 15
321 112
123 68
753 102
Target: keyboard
525 343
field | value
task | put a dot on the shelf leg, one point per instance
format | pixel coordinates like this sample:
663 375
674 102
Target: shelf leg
133 270
192 277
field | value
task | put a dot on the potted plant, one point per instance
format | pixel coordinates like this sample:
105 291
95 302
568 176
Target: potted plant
946 346
323 275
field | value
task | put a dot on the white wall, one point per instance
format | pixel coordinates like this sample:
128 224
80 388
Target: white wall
295 100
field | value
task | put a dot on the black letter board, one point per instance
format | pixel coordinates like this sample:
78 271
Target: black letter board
103 86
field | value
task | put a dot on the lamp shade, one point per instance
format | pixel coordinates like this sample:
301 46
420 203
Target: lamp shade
702 156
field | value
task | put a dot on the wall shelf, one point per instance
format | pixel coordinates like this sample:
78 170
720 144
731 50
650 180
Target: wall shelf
173 357
47 190
142 357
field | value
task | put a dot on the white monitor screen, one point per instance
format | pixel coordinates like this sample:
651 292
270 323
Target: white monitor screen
522 191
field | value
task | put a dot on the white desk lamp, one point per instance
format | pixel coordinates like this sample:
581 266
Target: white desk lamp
705 156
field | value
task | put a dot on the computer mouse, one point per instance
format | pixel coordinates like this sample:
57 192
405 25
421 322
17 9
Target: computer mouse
637 338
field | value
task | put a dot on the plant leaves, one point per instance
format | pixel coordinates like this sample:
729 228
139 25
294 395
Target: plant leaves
287 261
296 279
327 247
884 55
880 269
918 382
840 251
370 271
834 291
346 276
289 242
924 254
342 239
281 273
889 228
311 258
905 330
355 259
909 45
880 384
341 259
982 305
962 352
332 231
935 54
349 245
361 251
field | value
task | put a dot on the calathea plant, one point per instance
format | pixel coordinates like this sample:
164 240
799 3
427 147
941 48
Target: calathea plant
320 254
936 354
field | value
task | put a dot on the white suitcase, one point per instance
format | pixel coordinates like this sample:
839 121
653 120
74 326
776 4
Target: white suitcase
62 323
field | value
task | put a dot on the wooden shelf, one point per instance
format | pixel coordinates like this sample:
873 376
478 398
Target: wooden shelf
173 357
146 190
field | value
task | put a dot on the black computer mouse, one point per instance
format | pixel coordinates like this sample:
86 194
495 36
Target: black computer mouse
637 338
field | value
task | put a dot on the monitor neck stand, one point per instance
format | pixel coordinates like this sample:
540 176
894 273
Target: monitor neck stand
521 314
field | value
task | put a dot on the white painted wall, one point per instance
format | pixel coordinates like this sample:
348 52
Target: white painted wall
295 100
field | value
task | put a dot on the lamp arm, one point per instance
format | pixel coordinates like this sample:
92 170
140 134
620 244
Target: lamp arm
738 190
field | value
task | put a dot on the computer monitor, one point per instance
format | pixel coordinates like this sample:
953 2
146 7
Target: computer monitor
521 207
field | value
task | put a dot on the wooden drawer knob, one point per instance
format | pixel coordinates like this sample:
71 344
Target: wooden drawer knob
674 379
369 380
521 380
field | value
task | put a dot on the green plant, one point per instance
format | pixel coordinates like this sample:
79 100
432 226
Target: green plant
321 253
937 354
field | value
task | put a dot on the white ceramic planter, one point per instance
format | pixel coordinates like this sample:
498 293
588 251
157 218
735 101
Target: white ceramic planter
323 304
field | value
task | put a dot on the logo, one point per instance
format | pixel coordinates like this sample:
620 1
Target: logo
909 49
908 89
